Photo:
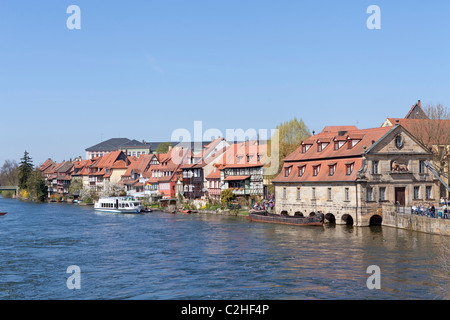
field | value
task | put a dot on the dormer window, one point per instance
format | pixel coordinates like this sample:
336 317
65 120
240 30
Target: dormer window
301 170
305 147
352 142
321 146
332 169
349 168
338 144
316 170
287 171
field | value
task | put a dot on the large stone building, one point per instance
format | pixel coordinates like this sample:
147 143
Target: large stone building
352 176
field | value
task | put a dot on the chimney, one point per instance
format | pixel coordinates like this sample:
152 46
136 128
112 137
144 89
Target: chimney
418 103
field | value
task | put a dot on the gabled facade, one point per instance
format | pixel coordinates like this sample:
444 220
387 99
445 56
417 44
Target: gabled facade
198 166
243 169
352 175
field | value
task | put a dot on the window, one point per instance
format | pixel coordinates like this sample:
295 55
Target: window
382 196
313 193
301 170
321 146
316 170
305 147
428 194
347 194
416 193
332 169
349 169
421 166
338 144
329 194
399 141
375 167
287 171
284 193
298 194
369 194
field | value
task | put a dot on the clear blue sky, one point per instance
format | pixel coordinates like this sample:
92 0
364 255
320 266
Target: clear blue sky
140 69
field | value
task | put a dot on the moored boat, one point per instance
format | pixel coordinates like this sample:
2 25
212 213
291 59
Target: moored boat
264 216
118 205
3 213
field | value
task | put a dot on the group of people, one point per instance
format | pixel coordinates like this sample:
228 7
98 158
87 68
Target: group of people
266 204
430 211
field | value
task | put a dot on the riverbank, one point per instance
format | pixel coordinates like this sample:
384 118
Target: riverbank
417 223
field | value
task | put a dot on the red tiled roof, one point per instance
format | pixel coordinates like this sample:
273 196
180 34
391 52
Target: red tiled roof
428 131
366 137
328 156
236 178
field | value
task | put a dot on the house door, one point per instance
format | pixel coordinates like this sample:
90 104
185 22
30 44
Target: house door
400 196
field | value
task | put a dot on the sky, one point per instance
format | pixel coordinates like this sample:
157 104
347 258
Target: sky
142 69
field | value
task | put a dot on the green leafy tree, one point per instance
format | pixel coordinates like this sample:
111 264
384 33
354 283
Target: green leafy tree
291 134
76 184
26 168
163 147
226 196
36 186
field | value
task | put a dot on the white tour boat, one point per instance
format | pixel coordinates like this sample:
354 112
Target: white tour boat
118 205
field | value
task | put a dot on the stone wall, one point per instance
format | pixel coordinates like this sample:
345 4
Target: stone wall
416 223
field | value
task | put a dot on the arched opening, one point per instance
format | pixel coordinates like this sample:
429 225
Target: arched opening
347 219
330 218
375 220
284 213
312 214
298 214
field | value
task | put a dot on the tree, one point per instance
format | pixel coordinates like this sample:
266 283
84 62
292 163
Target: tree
113 190
163 147
290 135
26 168
226 196
434 133
9 173
36 186
76 184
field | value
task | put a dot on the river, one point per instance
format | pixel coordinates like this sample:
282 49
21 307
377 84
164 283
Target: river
198 256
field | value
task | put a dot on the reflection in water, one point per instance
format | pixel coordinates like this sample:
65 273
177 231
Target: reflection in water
165 256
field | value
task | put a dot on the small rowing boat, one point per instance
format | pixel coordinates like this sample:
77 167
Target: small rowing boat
264 216
185 211
3 213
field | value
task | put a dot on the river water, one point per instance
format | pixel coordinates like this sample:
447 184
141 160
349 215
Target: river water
165 256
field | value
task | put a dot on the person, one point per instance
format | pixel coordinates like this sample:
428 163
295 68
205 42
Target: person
432 211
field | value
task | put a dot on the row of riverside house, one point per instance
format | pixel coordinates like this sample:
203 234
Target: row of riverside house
195 174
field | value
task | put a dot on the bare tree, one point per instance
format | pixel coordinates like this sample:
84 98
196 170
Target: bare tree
434 133
9 173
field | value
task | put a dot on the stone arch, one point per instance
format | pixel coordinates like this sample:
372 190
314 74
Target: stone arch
298 214
375 220
312 214
284 213
347 219
330 218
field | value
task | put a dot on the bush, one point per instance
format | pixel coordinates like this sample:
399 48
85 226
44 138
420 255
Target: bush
8 194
